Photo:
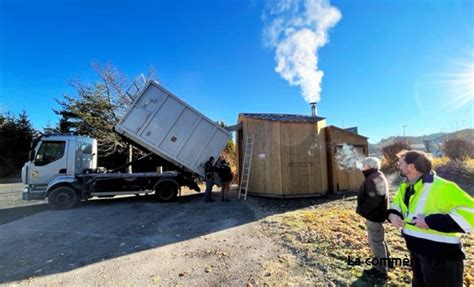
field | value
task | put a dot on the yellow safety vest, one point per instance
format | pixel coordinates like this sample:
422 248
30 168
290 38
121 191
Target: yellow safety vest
438 197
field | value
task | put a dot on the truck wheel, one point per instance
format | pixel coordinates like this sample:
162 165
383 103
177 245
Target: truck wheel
166 191
62 197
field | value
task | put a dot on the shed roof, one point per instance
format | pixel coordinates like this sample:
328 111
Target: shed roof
345 131
283 117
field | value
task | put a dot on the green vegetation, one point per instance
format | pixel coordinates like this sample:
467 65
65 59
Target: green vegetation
16 134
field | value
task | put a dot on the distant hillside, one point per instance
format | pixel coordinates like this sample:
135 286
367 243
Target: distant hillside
436 139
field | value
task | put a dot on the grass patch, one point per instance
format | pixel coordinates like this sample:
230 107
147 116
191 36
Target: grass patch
324 237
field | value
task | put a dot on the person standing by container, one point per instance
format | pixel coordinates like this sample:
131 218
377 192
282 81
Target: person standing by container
432 213
209 174
225 173
372 204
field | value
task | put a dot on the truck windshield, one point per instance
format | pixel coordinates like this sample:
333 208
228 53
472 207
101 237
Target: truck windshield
34 142
50 151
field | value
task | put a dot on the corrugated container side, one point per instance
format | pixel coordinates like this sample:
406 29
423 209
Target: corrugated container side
167 126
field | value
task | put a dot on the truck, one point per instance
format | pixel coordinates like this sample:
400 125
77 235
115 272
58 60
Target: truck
63 167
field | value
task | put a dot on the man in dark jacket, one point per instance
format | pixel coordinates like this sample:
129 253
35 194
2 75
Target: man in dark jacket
209 169
372 204
225 173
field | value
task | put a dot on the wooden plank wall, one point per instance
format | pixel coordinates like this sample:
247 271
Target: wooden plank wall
323 156
265 172
300 156
349 180
269 157
289 159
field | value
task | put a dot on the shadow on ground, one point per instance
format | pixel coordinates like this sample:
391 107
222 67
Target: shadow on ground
11 214
50 242
365 280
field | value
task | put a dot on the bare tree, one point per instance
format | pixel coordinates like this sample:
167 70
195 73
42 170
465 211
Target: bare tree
96 108
458 148
391 150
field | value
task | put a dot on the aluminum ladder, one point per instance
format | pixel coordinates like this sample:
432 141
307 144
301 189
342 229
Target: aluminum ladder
247 164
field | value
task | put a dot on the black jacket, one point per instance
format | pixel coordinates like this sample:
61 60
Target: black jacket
225 173
209 169
372 200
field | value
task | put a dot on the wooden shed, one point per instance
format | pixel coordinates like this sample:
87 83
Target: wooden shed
289 154
343 179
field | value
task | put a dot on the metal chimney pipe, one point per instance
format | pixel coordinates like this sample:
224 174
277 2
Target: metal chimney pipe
314 111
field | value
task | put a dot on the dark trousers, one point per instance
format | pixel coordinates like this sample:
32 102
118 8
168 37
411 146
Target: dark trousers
429 271
208 192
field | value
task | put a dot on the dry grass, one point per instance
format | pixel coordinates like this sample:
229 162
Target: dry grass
461 172
469 163
324 237
439 161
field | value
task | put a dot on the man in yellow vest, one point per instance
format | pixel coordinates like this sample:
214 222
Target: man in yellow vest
432 213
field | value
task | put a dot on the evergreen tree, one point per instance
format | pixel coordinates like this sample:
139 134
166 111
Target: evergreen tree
16 135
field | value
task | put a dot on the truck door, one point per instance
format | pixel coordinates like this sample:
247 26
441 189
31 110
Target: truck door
86 155
50 161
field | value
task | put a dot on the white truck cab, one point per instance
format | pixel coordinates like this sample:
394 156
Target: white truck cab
55 159
63 169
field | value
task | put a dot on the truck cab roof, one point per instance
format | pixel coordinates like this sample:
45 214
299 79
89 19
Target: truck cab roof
61 137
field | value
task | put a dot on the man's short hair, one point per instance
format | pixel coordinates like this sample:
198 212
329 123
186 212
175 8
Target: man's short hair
421 160
372 162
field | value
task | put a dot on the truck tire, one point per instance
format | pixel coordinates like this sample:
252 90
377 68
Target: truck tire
62 197
166 191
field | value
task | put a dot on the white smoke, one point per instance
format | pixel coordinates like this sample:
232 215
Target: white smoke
296 29
349 158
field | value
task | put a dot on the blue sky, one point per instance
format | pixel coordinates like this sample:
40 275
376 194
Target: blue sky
387 64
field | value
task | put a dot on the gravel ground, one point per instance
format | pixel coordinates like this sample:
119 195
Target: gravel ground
12 207
136 241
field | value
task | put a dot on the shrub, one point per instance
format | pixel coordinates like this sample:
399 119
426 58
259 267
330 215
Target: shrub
469 163
458 148
461 172
439 161
390 152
